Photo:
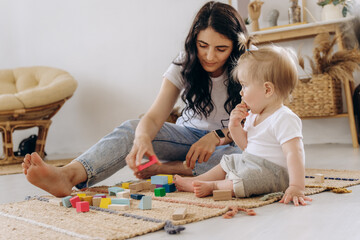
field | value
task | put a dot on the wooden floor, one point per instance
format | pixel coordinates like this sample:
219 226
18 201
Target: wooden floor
329 216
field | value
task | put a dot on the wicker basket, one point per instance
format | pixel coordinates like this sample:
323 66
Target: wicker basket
317 97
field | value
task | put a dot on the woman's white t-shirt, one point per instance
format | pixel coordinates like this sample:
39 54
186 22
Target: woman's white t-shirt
266 138
218 118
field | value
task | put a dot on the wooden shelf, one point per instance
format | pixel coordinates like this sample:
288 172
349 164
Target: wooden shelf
308 31
342 115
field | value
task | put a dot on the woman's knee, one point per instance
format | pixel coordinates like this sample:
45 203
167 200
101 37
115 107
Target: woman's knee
129 125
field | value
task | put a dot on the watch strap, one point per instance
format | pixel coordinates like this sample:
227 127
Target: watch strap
220 135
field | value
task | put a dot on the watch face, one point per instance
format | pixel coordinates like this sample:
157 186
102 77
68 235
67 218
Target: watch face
220 133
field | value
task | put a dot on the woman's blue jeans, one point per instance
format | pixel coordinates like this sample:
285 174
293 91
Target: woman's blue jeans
171 143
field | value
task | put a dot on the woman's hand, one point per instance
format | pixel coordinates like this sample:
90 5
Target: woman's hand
296 195
142 146
238 114
201 150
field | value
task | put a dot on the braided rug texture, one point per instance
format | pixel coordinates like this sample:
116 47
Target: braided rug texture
37 218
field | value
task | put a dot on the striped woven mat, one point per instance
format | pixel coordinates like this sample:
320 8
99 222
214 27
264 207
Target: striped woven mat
38 218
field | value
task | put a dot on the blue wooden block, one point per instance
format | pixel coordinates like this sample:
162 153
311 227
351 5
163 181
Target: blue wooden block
170 187
159 180
66 201
123 201
136 196
113 190
145 203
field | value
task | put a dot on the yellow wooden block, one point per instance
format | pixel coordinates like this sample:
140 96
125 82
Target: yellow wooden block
125 185
105 202
80 195
87 199
170 177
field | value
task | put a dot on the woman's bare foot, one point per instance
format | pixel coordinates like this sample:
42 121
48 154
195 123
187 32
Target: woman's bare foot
52 179
175 167
203 188
184 183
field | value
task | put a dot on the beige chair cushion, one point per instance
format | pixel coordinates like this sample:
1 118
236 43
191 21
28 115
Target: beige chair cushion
34 86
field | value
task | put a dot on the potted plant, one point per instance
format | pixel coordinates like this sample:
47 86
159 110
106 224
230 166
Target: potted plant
333 9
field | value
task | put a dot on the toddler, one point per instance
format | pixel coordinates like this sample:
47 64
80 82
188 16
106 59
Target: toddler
273 155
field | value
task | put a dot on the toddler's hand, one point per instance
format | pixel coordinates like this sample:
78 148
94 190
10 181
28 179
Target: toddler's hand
238 114
296 195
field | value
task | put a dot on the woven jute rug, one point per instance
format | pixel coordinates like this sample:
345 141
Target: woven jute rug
16 168
38 218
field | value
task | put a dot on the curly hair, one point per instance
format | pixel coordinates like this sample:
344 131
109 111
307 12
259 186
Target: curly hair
225 20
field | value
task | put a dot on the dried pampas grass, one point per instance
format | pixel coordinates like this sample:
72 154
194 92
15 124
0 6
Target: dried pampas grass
339 65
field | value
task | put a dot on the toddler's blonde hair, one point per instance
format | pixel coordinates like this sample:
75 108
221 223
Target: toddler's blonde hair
268 64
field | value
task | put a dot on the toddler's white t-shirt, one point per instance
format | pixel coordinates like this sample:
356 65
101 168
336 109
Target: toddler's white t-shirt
266 138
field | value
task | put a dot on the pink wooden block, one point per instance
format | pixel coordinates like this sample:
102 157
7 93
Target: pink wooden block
152 160
82 206
74 200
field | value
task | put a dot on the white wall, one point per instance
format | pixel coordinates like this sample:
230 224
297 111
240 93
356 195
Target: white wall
117 50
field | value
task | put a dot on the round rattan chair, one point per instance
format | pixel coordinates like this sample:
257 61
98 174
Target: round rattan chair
30 97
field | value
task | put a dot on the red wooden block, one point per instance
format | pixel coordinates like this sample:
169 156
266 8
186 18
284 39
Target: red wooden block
152 160
74 200
82 206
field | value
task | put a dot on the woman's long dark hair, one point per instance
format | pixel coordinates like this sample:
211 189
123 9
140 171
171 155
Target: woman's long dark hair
225 20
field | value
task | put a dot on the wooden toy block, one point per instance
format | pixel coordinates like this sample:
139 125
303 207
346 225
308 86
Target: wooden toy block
159 192
113 190
152 160
66 201
319 178
74 200
87 199
125 185
146 185
82 206
100 195
121 207
169 187
105 202
136 187
159 185
152 187
145 203
159 180
80 195
96 201
122 201
56 201
222 195
170 177
124 194
136 196
132 191
179 214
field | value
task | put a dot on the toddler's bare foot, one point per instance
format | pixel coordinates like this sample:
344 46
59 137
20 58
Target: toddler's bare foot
203 188
184 183
47 177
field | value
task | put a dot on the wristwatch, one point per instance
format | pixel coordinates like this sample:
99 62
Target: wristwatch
220 135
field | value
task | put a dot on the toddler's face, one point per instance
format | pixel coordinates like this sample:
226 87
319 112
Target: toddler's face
253 93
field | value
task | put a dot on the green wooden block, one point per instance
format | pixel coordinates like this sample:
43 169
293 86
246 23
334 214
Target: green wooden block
159 192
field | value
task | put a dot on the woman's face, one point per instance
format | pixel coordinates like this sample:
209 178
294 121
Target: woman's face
213 50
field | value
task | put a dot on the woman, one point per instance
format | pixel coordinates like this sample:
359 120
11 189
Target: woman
202 75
